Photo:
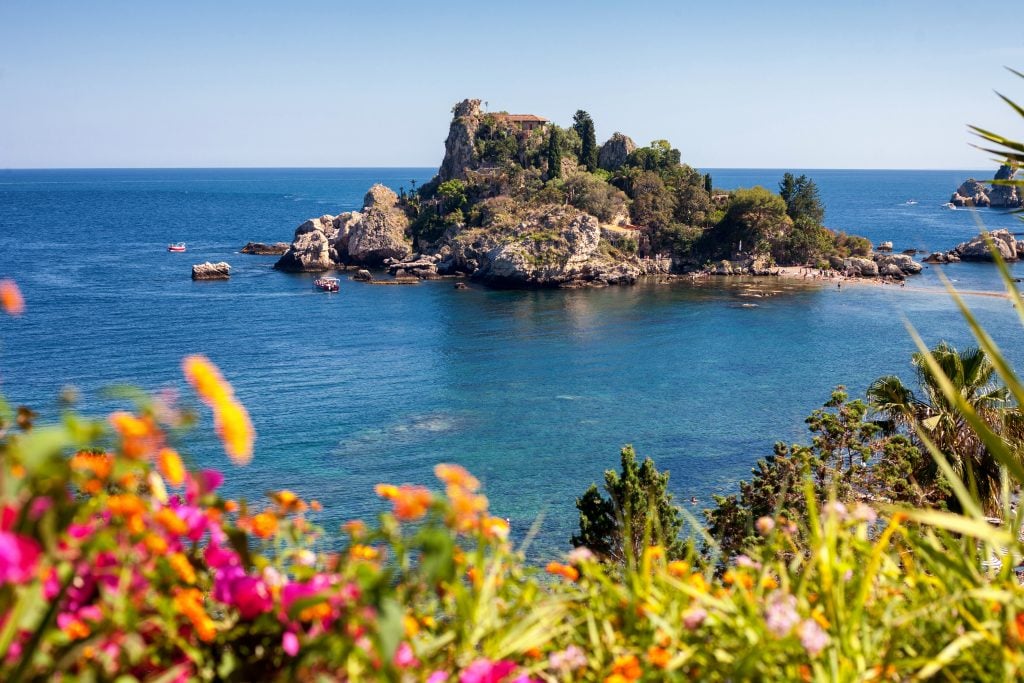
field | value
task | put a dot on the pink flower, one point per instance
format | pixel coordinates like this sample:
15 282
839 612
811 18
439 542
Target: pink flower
290 643
404 657
780 615
570 659
486 671
437 677
694 617
812 636
19 556
248 594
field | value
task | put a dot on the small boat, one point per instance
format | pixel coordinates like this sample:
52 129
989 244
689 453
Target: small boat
910 202
177 246
949 205
326 284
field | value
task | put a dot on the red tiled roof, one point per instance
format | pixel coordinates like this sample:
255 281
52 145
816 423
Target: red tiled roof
523 118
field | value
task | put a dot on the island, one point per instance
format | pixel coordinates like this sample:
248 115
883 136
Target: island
519 202
1002 193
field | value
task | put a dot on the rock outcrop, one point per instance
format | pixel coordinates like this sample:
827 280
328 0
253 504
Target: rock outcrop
897 266
363 275
459 148
262 249
367 238
211 271
1006 196
977 249
310 251
854 266
975 193
379 233
614 152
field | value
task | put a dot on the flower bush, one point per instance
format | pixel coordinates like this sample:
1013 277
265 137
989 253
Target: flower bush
118 562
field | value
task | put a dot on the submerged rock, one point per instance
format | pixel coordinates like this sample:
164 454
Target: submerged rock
363 275
211 271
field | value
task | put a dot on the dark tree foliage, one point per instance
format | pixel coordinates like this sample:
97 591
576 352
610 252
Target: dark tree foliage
638 512
553 153
802 198
584 127
659 157
754 220
707 183
849 459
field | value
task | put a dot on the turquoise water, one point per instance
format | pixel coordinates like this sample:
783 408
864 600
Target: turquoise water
535 392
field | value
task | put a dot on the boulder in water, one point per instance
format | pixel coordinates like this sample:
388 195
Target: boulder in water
211 271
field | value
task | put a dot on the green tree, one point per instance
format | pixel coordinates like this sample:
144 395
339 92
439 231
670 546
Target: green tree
584 127
453 195
708 187
659 157
638 511
553 152
929 412
755 217
802 198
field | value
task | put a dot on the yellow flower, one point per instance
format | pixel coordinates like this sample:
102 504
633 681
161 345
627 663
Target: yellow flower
169 520
698 581
410 625
235 430
363 552
139 435
495 527
170 465
182 567
628 667
206 379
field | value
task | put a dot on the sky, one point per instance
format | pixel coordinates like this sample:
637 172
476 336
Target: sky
798 84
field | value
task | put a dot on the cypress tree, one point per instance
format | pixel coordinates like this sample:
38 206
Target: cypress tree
554 153
707 183
584 126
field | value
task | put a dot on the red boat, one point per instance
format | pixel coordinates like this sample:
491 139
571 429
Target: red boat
177 246
326 284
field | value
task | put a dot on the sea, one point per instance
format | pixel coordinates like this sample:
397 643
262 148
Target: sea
534 391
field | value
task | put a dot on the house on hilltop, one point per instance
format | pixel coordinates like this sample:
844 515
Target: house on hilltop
527 123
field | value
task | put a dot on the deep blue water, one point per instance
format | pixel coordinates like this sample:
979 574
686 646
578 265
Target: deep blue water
535 392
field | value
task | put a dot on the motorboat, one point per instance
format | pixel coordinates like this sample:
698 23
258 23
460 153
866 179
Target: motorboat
327 284
177 246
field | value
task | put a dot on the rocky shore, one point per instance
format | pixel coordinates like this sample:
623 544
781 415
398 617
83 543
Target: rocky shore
995 195
977 249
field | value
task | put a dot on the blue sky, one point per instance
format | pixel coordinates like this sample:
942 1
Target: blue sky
796 84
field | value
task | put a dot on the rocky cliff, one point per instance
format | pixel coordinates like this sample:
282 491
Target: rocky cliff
459 148
614 152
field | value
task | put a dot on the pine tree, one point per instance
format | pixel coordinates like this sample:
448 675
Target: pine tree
584 126
638 512
554 153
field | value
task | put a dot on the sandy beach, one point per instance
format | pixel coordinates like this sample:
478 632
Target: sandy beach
812 275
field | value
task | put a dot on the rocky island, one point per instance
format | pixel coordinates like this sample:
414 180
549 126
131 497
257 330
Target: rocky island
521 202
1001 193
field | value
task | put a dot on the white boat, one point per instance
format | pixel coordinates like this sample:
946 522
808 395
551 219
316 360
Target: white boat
910 202
326 284
177 246
949 205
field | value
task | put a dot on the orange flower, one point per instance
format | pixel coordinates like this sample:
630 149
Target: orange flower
678 568
230 506
10 298
363 552
355 527
658 656
170 465
455 475
410 502
317 612
155 544
627 666
495 527
139 436
190 603
739 578
1019 626
97 464
467 508
182 567
289 501
125 505
76 629
169 520
564 570
264 525
315 505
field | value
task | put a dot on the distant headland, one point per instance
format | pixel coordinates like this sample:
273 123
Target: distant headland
521 202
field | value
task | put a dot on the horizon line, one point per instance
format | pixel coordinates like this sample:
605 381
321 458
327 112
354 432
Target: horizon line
418 168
